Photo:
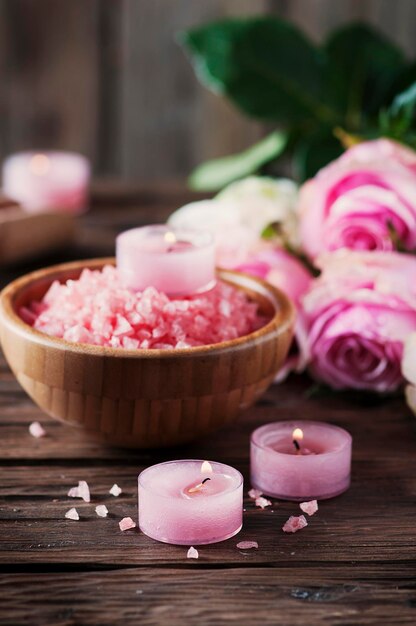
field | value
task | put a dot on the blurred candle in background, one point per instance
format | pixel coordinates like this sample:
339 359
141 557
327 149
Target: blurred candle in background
48 181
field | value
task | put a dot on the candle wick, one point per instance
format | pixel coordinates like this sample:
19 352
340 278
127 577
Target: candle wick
296 444
205 480
198 486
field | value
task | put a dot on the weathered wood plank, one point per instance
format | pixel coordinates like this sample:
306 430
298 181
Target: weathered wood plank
206 597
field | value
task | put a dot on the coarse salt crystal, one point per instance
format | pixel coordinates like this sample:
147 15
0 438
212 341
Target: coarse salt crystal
101 510
254 493
309 507
126 523
192 553
294 524
246 545
72 514
115 490
82 491
262 502
98 309
36 430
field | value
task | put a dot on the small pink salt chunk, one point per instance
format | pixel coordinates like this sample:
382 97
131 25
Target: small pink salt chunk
126 523
294 524
309 507
72 514
101 510
115 490
37 430
246 545
262 502
82 491
254 493
192 553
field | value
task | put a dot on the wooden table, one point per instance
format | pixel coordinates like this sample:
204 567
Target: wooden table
354 564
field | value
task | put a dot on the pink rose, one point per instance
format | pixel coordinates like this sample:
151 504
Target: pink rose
356 318
285 271
359 199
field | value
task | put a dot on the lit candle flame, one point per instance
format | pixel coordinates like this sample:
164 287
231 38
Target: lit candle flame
40 164
206 468
170 237
297 434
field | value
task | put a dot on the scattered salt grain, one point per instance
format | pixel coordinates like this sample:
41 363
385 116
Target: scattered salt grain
126 523
97 309
37 430
294 524
192 553
246 545
262 502
309 507
254 493
101 510
115 490
82 491
72 514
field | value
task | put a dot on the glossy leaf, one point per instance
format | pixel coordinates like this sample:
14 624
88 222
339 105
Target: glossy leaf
216 174
264 65
363 65
315 151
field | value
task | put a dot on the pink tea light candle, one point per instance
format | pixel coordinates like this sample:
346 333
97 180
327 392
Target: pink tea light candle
175 261
48 181
190 502
301 460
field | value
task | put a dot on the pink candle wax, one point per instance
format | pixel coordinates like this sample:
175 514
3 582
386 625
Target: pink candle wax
190 502
47 181
175 261
300 460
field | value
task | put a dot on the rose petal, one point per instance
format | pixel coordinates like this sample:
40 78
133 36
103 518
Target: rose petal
254 493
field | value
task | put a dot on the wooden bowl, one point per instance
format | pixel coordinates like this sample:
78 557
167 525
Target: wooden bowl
143 398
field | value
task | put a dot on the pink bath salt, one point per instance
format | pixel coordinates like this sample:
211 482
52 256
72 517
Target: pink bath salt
294 524
262 502
247 545
72 514
192 553
115 490
126 523
101 510
82 491
309 507
36 430
97 309
254 494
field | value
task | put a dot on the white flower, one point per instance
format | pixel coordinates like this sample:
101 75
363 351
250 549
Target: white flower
240 213
263 201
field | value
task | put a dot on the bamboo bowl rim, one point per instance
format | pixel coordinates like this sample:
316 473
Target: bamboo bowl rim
281 321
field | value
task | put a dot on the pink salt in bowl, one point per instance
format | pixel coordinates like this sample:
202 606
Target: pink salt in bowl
143 398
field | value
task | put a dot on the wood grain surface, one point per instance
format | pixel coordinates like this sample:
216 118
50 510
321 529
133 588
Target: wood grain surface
355 564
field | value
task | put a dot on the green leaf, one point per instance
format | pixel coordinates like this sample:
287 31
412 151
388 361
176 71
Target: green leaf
315 151
216 174
264 65
398 119
363 65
